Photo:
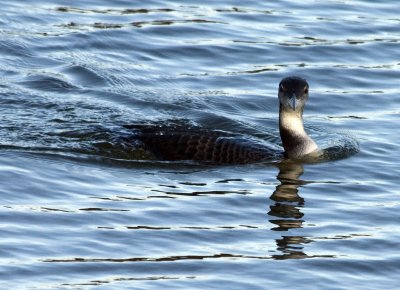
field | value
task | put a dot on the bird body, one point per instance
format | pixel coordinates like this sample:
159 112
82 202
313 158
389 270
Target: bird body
169 143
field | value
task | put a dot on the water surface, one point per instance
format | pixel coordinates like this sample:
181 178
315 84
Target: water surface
78 212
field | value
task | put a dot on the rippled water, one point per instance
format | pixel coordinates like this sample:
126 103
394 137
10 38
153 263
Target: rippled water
78 212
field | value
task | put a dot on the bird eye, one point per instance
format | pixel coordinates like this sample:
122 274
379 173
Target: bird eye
281 89
306 90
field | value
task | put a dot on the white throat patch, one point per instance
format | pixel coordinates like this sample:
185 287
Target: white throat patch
293 123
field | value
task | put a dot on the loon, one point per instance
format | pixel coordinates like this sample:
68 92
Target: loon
172 144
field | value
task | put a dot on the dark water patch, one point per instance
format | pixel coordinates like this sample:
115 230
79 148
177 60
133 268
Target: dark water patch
172 22
46 83
169 259
112 11
99 25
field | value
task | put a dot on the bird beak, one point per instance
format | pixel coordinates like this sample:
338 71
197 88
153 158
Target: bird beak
293 102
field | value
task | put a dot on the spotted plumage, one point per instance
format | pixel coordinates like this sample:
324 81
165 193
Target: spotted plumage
171 143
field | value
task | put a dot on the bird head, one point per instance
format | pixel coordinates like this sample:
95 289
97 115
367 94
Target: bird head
293 94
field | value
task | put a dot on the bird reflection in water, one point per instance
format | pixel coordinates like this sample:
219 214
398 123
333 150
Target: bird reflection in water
287 210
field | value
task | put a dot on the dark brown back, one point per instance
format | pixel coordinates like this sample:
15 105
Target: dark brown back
202 145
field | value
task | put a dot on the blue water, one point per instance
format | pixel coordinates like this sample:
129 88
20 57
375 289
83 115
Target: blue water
79 212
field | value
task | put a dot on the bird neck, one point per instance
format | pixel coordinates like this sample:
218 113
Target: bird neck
295 140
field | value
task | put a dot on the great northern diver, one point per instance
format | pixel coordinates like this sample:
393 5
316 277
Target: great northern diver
171 143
